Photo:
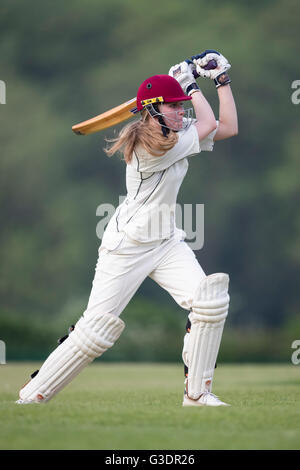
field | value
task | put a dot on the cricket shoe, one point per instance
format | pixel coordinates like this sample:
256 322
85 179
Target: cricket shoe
206 399
24 402
39 398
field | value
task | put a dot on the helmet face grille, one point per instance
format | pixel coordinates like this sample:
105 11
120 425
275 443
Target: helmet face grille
177 121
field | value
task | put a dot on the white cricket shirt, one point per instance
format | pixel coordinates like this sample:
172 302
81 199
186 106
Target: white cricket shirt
148 212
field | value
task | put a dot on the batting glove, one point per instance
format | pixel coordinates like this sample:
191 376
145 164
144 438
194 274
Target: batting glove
183 73
218 74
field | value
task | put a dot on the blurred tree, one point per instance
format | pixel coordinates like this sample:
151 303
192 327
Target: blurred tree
66 62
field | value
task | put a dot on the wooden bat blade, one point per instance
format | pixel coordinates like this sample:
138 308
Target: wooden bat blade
109 118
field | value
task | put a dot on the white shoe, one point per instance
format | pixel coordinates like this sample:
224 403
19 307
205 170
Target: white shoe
206 399
24 402
38 399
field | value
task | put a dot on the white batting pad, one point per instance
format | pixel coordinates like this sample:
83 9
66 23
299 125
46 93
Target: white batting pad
209 311
91 337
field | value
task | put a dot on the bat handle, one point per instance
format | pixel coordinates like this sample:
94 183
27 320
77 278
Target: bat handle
212 64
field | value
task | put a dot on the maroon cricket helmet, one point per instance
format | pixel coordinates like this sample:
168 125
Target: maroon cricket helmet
159 89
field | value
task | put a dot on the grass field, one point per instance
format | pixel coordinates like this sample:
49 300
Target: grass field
138 406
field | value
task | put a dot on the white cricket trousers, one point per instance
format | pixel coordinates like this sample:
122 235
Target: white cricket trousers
120 272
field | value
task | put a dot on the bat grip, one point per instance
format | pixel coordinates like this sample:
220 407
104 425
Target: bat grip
212 64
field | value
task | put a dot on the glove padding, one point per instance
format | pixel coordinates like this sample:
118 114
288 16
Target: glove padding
217 74
183 73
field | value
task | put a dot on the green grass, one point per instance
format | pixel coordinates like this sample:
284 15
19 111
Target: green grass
138 406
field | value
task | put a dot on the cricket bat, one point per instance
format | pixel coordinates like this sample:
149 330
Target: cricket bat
120 113
109 118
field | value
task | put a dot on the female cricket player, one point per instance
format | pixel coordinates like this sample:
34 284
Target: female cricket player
142 239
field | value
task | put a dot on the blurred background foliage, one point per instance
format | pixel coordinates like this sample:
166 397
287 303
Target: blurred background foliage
64 62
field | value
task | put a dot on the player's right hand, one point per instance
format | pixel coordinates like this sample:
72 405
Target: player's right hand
201 61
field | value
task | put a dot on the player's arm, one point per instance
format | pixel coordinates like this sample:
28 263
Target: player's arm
206 121
228 121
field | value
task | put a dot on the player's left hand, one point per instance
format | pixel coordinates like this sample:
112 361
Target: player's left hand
217 74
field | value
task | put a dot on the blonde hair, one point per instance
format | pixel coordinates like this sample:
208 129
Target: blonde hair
145 133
